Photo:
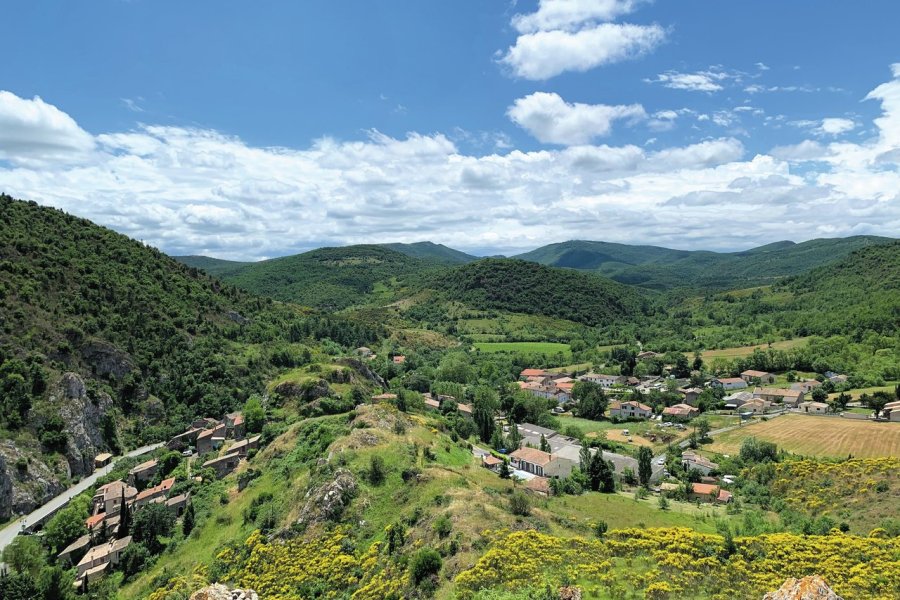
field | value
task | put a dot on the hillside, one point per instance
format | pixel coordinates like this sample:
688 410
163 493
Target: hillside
523 287
662 268
108 343
216 267
328 278
432 252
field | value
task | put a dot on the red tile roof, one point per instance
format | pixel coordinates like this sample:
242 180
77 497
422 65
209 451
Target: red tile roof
532 373
532 455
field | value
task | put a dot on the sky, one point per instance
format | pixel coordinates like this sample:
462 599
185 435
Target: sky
249 130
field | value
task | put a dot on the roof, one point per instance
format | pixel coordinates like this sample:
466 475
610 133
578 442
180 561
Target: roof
94 520
706 489
432 403
115 489
632 404
150 464
535 430
205 433
565 386
238 420
668 487
77 544
729 380
177 499
225 458
464 408
103 456
385 397
813 404
532 455
784 393
752 373
538 484
679 409
699 459
532 373
491 460
690 390
399 358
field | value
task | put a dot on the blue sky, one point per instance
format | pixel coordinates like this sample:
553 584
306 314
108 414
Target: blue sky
249 130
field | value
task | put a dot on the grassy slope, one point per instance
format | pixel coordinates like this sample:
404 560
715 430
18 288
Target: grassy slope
663 268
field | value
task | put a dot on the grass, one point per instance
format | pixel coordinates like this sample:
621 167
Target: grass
613 431
742 351
827 437
530 348
856 393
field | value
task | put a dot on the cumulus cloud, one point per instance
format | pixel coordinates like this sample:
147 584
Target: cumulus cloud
546 54
700 81
35 130
566 14
197 191
552 120
836 126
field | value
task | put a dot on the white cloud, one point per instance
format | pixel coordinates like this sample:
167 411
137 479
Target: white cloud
836 126
566 14
191 191
700 81
545 54
34 130
552 120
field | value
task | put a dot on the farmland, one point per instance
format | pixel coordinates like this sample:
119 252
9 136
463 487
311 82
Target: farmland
532 348
741 351
817 436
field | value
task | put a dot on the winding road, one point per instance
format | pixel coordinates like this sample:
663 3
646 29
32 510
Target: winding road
43 512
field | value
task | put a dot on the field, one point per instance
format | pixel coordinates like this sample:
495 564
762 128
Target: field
855 394
531 348
817 436
741 351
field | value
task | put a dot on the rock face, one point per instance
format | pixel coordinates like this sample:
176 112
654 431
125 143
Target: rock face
105 359
364 371
811 587
329 500
217 591
82 415
307 392
24 484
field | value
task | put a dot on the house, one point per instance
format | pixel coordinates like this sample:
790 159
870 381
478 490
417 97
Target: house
756 406
211 439
399 359
681 412
491 462
891 411
244 446
464 409
105 555
816 408
691 395
538 485
737 399
365 352
692 460
526 373
788 397
204 423
805 386
178 503
234 425
108 498
604 381
432 404
101 460
143 472
531 434
837 379
540 463
75 550
668 488
224 464
751 376
646 355
629 409
729 383
183 440
155 494
709 492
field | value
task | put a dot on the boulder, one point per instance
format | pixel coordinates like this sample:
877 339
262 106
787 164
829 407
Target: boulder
217 591
306 392
811 587
327 502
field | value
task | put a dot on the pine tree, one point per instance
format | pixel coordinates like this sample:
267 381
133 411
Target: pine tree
504 470
187 524
545 445
645 465
124 518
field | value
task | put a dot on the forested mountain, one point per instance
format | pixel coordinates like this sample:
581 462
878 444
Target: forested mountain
328 278
662 268
217 267
433 252
523 287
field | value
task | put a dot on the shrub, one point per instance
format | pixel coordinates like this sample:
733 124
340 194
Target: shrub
519 504
443 526
426 563
377 470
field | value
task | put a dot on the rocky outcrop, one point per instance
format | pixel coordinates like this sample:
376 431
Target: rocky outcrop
24 484
306 392
82 414
811 587
364 371
328 501
217 591
105 359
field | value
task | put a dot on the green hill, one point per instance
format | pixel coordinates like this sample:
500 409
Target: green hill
216 267
433 252
663 268
328 278
523 287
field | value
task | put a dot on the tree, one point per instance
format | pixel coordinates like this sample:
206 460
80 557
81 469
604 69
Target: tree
483 408
18 586
819 394
682 367
54 583
505 473
645 465
591 400
601 528
601 475
584 457
63 528
125 519
134 558
377 471
519 504
545 445
698 361
25 555
876 401
701 426
758 451
497 442
189 519
150 523
254 415
840 402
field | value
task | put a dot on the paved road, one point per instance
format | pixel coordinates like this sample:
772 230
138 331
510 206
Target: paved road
8 533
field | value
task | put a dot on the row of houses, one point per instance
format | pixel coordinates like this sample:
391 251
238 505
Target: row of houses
207 434
225 464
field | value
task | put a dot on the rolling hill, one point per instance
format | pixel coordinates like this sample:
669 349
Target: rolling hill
432 252
216 267
663 268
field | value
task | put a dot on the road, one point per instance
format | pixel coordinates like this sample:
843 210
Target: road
9 533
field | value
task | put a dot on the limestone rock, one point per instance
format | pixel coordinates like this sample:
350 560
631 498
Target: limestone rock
217 591
329 500
811 587
82 415
364 371
105 359
24 484
307 391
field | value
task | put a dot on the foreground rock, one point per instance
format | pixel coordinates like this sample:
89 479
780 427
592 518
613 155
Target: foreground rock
811 587
25 483
217 591
82 413
328 501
